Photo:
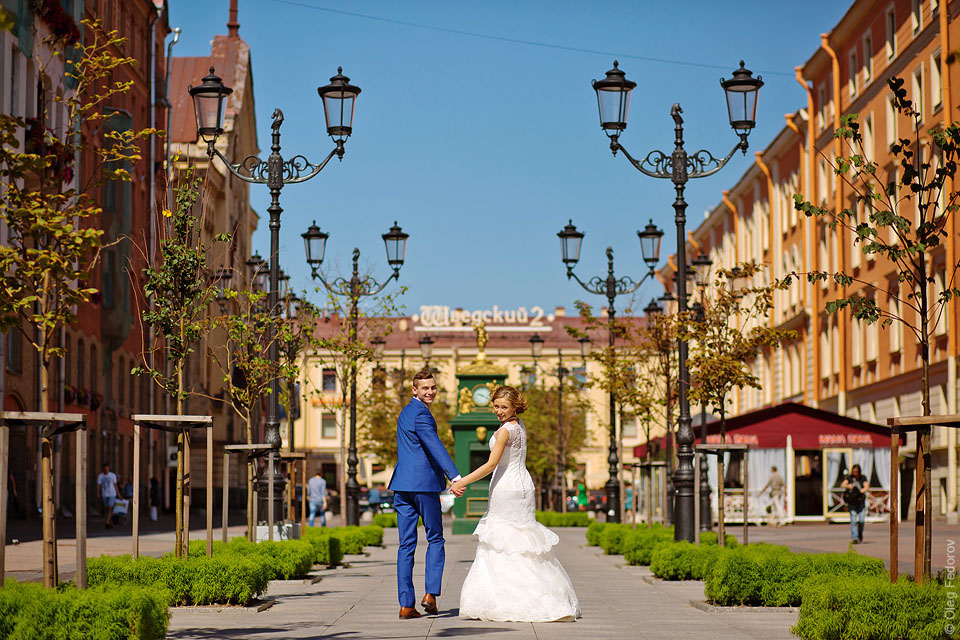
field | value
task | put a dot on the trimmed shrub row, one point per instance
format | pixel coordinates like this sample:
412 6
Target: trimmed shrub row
385 520
228 578
772 576
838 608
327 549
555 519
30 612
287 559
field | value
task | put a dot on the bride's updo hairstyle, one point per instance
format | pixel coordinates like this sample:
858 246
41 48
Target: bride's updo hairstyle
513 395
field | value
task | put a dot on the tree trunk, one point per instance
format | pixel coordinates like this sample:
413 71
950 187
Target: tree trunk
721 530
50 576
250 477
923 435
178 548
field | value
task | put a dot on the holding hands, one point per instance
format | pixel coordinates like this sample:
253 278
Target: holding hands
457 487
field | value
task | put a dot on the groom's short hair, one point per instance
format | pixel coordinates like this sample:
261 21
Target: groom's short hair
423 374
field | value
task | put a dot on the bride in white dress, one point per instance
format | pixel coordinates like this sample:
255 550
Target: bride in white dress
516 576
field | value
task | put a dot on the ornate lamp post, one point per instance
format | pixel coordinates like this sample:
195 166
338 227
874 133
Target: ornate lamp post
339 98
315 243
426 350
613 101
611 287
536 350
701 270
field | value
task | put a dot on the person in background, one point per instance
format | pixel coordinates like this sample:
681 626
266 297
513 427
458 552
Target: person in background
581 497
373 499
775 485
628 501
107 493
154 499
317 495
855 488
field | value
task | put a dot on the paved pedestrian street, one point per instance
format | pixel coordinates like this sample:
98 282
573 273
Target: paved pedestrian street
360 602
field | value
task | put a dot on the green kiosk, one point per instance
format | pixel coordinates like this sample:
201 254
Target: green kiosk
475 419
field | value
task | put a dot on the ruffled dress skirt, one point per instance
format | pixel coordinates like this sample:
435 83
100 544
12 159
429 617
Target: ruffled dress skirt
516 576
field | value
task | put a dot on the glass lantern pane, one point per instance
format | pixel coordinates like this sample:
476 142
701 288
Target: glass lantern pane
614 107
650 248
570 247
338 110
742 107
208 116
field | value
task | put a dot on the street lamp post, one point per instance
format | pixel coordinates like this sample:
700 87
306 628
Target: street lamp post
426 350
315 243
536 350
701 270
339 98
613 101
611 287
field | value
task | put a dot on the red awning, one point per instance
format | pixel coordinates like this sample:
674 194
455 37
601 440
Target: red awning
809 428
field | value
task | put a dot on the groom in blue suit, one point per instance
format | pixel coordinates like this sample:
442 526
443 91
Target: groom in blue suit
423 465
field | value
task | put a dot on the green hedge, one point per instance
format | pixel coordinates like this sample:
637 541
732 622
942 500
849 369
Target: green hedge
555 519
30 612
223 579
385 520
772 576
682 560
287 559
854 607
594 531
328 549
638 548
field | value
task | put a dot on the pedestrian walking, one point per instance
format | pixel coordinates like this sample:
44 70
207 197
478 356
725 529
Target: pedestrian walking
855 488
775 486
154 499
13 498
581 497
107 493
317 494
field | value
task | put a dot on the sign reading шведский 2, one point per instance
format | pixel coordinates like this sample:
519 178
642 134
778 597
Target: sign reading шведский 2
443 316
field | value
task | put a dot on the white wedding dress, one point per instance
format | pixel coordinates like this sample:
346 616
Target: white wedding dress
516 576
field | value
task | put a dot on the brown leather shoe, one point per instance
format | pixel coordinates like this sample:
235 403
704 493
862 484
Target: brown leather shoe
429 604
408 613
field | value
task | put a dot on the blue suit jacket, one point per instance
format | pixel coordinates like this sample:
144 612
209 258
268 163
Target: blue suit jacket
422 460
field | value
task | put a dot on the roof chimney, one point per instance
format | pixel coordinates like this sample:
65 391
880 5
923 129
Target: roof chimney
233 27
560 312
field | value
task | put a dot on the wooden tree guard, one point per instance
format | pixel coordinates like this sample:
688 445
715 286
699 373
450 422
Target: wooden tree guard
292 457
252 451
923 518
173 424
717 450
50 424
648 467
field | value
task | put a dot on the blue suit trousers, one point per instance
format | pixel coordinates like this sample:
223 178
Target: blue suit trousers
410 507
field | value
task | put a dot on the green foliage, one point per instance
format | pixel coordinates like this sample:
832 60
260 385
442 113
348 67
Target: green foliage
385 520
594 531
614 538
638 548
766 575
223 579
287 559
30 612
328 548
682 560
855 607
544 434
571 519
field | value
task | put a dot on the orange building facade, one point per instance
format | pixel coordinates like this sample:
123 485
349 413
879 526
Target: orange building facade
863 371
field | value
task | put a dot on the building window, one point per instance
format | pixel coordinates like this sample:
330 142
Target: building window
328 426
528 376
822 108
936 83
916 18
867 59
14 81
856 343
93 368
869 146
580 373
891 21
896 328
14 349
628 423
891 121
329 380
852 74
918 91
80 365
108 283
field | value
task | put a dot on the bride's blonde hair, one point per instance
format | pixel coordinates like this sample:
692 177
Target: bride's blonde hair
513 395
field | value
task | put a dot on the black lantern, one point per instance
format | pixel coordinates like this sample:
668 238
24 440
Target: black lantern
378 344
584 347
339 100
653 309
741 92
208 106
536 345
395 241
613 100
315 244
570 241
426 348
650 244
222 282
258 272
701 270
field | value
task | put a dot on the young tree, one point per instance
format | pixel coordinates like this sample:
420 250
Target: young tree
177 296
726 338
901 218
53 240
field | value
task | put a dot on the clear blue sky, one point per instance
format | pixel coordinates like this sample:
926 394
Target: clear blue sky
483 146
